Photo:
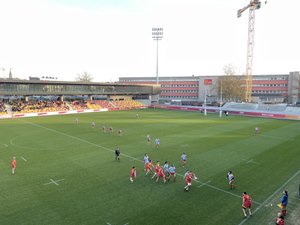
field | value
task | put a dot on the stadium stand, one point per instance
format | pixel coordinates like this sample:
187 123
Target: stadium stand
278 107
292 110
104 104
51 106
242 106
93 105
262 107
270 108
127 104
80 105
37 106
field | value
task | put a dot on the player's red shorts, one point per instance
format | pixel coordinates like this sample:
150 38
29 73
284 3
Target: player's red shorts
247 205
161 175
132 175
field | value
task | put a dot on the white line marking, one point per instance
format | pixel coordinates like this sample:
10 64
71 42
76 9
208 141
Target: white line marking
204 184
24 159
21 146
108 223
271 196
250 161
219 189
80 139
54 182
128 156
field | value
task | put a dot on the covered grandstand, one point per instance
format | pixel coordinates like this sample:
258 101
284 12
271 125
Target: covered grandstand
36 97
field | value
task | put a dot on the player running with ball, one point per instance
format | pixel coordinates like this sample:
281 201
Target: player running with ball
189 176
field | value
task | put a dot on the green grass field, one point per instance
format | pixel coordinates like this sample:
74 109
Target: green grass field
66 173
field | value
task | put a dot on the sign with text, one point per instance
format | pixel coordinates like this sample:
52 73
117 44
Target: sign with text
207 81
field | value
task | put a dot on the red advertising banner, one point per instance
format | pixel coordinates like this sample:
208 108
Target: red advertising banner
207 81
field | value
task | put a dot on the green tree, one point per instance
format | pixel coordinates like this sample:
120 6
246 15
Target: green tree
84 77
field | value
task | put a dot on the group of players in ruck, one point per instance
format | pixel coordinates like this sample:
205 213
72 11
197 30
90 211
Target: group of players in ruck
165 172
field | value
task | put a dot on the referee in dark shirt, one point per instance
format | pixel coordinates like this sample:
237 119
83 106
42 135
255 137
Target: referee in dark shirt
117 154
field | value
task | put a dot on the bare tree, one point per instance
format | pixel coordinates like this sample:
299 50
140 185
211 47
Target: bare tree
84 77
232 88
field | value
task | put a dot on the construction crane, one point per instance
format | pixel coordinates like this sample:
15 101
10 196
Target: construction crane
252 6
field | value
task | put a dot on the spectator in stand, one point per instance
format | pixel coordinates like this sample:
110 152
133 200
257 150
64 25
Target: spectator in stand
2 108
37 106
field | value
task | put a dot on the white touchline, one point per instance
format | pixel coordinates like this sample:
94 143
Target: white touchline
128 156
80 139
271 196
24 159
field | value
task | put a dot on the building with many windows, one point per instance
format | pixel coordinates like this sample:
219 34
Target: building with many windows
273 88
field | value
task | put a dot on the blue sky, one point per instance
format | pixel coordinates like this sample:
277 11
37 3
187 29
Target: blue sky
112 38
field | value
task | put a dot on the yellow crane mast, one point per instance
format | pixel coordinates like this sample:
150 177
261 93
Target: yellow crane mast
252 6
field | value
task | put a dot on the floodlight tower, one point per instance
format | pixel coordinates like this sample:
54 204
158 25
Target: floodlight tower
252 6
157 35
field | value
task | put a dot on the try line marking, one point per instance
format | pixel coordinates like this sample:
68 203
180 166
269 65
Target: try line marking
271 196
128 156
54 182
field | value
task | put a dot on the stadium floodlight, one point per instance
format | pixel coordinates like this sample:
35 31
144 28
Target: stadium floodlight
157 35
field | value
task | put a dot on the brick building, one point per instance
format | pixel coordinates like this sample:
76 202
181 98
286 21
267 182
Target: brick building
273 88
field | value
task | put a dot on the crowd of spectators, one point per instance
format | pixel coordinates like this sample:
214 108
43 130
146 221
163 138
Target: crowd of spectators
93 105
3 110
79 105
104 104
33 106
37 106
127 104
